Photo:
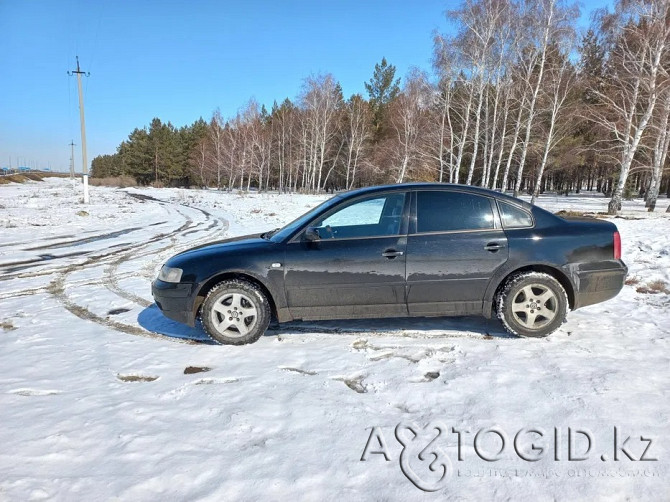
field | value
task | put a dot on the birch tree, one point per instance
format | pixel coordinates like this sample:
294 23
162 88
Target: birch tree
546 21
320 98
199 157
480 21
407 118
638 36
283 118
459 112
521 105
358 131
437 143
506 34
217 141
506 91
560 78
659 152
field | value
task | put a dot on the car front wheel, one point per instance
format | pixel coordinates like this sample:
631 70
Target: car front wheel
532 304
235 312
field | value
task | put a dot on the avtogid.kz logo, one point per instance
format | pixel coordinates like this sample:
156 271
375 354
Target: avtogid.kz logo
414 447
424 462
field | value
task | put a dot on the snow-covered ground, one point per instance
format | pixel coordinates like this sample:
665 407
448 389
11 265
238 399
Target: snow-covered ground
95 403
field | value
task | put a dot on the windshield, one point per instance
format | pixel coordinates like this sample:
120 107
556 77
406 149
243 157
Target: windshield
288 230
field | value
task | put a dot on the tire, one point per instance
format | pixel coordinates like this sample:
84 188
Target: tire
532 304
235 312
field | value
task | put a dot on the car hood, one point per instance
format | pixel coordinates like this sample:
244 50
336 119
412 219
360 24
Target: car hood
244 243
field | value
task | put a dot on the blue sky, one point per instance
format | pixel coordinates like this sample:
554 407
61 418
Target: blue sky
179 60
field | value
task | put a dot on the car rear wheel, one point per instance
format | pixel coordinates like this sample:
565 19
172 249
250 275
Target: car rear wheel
532 304
235 312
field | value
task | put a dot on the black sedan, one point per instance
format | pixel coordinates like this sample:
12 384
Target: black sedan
417 249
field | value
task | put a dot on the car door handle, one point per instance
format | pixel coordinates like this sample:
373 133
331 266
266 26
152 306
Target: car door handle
493 247
392 253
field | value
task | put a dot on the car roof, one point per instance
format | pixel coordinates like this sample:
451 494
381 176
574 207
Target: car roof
434 186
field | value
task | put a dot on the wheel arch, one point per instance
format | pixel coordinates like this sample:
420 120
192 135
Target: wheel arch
213 281
556 273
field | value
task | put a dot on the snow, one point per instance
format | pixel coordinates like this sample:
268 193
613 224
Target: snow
94 402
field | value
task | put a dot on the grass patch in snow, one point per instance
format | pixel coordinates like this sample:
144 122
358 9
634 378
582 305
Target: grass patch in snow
654 287
136 378
298 370
632 281
189 370
23 177
7 326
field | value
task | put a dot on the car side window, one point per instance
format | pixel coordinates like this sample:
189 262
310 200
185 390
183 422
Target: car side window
377 216
445 211
514 217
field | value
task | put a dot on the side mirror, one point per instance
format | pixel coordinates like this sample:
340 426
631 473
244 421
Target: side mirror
312 234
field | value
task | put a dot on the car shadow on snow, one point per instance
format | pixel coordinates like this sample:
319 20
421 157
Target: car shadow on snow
152 319
409 327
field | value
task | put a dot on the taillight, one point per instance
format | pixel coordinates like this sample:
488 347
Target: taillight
617 246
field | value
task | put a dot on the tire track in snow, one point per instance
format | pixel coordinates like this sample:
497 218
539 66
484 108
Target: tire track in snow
36 262
85 240
111 276
57 289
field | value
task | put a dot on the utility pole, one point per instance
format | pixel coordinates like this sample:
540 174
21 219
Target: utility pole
72 160
84 161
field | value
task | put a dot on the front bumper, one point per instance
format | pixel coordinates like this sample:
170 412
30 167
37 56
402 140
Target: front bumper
599 285
175 300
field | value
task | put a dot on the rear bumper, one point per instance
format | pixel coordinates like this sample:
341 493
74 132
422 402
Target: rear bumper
599 285
174 300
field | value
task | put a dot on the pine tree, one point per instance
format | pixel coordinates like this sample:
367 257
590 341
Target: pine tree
591 64
382 88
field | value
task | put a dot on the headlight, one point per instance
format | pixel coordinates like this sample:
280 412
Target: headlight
169 274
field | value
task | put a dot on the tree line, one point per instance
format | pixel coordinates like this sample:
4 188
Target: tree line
516 100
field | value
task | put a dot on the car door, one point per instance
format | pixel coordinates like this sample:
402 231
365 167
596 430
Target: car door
357 266
455 244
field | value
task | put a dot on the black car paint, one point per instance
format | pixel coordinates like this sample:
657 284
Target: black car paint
448 272
442 273
343 278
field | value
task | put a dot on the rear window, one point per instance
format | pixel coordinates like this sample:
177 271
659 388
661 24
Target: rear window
438 211
513 216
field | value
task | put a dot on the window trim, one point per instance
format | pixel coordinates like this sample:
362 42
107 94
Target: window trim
519 207
414 224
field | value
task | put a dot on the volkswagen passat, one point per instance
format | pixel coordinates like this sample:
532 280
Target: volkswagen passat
399 250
